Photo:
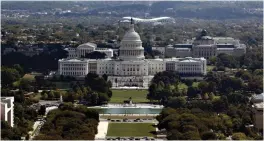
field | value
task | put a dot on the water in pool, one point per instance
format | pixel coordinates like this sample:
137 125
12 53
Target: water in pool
129 110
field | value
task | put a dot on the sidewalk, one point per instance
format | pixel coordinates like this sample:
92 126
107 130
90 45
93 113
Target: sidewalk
102 130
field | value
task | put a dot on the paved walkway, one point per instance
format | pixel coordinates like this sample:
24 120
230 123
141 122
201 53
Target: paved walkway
102 130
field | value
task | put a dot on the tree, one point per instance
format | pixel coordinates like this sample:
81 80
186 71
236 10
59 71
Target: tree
19 69
219 105
239 136
188 82
44 96
9 133
208 136
213 60
192 92
211 96
42 110
205 96
177 102
203 87
94 99
228 84
190 135
103 98
8 76
25 84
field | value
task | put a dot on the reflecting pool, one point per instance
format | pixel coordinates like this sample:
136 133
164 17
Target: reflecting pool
129 110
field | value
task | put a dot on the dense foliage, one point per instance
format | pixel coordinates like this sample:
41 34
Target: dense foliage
70 123
24 117
94 91
44 62
216 108
190 124
252 60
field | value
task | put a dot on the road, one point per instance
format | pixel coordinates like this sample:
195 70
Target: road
38 124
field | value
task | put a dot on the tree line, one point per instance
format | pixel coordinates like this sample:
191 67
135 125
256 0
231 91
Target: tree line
70 123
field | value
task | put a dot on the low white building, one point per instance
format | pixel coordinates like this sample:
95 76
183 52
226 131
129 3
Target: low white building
206 46
86 48
7 110
131 68
258 106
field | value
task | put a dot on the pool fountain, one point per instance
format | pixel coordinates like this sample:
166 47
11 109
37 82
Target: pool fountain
129 109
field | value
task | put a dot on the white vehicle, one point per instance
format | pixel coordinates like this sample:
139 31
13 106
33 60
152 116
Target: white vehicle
159 20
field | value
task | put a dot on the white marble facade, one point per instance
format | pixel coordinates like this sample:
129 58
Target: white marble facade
83 49
131 68
207 47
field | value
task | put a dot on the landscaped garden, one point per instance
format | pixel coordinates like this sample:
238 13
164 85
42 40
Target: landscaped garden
130 130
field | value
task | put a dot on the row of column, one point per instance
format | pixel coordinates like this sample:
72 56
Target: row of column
131 52
82 52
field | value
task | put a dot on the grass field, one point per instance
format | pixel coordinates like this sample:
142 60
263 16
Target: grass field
138 96
37 96
29 77
130 130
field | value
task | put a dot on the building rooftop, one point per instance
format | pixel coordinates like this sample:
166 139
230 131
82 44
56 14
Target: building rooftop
259 106
183 45
87 45
257 98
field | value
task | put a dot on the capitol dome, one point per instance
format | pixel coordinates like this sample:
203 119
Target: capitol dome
131 45
131 35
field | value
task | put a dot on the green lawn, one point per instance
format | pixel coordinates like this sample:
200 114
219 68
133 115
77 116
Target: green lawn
29 77
130 129
37 96
138 96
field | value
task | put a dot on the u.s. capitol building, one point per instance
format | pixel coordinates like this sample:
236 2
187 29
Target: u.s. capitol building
131 68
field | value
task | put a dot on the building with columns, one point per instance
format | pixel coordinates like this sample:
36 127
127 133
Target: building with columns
86 48
7 110
131 68
206 46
